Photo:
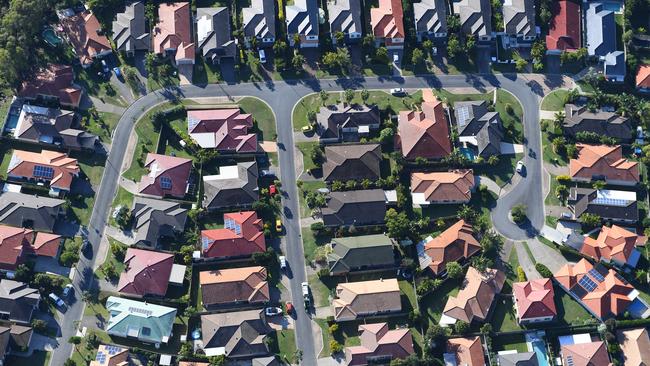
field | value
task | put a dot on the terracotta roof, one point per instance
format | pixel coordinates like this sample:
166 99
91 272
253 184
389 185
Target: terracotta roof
356 299
166 176
564 30
454 185
475 298
53 81
174 30
635 346
13 241
387 20
424 133
452 245
110 355
241 236
377 340
466 351
603 160
46 244
25 164
223 286
222 129
534 299
585 354
643 76
83 31
146 272
613 243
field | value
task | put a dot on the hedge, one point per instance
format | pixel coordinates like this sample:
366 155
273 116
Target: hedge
543 270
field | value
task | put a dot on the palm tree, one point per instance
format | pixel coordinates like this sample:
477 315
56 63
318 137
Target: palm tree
323 96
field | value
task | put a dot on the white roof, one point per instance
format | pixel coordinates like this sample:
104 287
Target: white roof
618 195
165 360
177 274
203 27
215 351
225 172
11 188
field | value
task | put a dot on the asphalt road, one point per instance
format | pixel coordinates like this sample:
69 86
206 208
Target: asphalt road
282 96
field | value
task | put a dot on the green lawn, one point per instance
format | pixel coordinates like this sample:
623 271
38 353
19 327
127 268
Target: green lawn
38 358
503 171
551 198
263 115
92 167
310 243
433 303
205 73
551 221
528 252
570 311
286 343
509 342
83 353
324 327
550 156
96 87
119 265
554 101
306 148
310 186
123 198
513 263
503 315
102 126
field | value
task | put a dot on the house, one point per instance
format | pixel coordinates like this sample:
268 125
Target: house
564 33
214 37
225 130
17 243
259 22
534 301
241 236
130 31
109 355
475 298
85 35
245 285
642 81
167 176
155 219
52 126
581 119
355 300
614 68
519 19
618 206
424 133
456 244
603 292
14 337
345 17
379 343
358 208
263 361
234 186
359 253
236 335
507 358
585 354
18 301
302 23
614 245
602 162
601 30
346 122
478 127
635 346
26 210
172 35
430 20
387 22
475 18
146 322
193 363
149 273
466 351
53 83
352 162
452 187
51 167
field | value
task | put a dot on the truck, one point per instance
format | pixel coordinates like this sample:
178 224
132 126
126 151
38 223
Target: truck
306 295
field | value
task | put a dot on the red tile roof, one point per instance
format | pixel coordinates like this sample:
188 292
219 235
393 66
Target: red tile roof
242 235
454 244
174 30
564 30
46 244
466 351
585 354
534 299
53 81
378 340
438 187
643 77
83 32
387 20
424 133
23 165
603 160
15 243
222 129
613 243
161 168
146 272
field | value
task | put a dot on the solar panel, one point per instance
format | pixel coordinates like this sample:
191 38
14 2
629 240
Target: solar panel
43 172
113 350
463 116
569 360
229 224
101 357
238 229
165 183
587 283
140 311
596 275
610 201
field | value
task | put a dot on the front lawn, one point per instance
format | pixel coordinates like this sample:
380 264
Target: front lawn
205 73
123 198
550 156
554 101
502 172
111 260
551 198
263 115
102 126
286 344
516 342
311 243
308 186
306 147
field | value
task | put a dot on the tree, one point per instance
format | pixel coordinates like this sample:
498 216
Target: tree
518 213
76 341
398 225
348 95
466 213
520 62
598 185
521 275
381 55
461 327
543 270
386 136
316 155
335 347
454 270
453 46
365 94
323 96
590 220
279 47
562 192
453 23
217 360
297 61
493 160
39 326
417 56
69 362
427 45
340 38
470 42
486 328
124 218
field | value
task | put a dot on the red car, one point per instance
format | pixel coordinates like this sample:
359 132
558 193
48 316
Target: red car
272 190
289 307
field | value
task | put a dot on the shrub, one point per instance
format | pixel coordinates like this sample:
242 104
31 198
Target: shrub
335 347
543 270
461 327
518 213
521 275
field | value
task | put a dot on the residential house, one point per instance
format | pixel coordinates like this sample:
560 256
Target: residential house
430 20
618 206
51 167
352 162
18 301
345 17
149 273
110 355
130 31
346 122
146 322
603 292
534 301
236 335
214 37
475 18
475 298
614 68
85 35
193 363
452 187
424 133
263 361
17 244
14 337
26 210
379 344
614 245
358 208
519 20
564 32
466 351
242 235
259 22
166 176
635 346
602 162
155 219
52 126
581 119
585 354
355 300
234 186
601 30
387 22
643 78
506 358
360 253
302 23
172 35
455 244
246 285
53 83
225 130
478 127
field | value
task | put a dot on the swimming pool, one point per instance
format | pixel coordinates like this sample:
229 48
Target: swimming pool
614 6
50 37
539 347
468 153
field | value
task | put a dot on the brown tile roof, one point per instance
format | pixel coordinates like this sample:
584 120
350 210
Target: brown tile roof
452 245
613 243
355 299
635 346
387 20
146 272
534 299
163 169
603 160
174 30
83 31
53 81
46 244
474 300
424 133
241 236
466 351
436 187
643 77
585 354
377 340
63 169
352 162
224 286
222 129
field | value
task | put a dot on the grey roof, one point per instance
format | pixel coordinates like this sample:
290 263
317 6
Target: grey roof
24 210
302 17
364 207
5 336
519 17
129 30
265 361
430 16
475 16
601 30
582 200
352 162
332 118
52 125
259 19
579 118
345 16
240 333
360 252
474 119
213 33
237 191
518 359
18 300
615 64
155 218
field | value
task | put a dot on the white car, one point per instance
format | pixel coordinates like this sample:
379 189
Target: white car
520 166
272 311
262 56
283 262
398 91
434 51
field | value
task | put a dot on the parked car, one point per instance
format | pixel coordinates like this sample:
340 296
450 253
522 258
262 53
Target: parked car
395 58
434 51
520 166
272 311
289 307
68 290
117 72
56 300
273 190
268 173
105 67
398 92
305 294
283 262
566 215
278 225
262 56
307 129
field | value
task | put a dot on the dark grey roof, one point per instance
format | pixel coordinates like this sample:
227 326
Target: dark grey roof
52 126
332 118
265 361
360 252
583 200
364 207
352 162
23 210
518 359
213 33
475 16
474 119
579 118
489 139
155 218
430 16
129 30
259 19
519 17
18 300
615 64
236 191
302 17
241 333
345 16
601 30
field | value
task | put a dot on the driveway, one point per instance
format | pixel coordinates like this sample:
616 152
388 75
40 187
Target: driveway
542 253
51 265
